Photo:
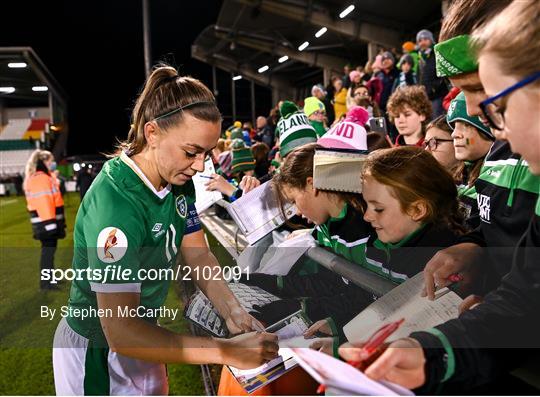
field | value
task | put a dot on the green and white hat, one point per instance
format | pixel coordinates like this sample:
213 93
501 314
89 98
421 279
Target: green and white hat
457 111
236 133
294 128
455 56
242 158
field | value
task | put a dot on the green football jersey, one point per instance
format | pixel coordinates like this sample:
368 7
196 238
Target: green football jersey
126 232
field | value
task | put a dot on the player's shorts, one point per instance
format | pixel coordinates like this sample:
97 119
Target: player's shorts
80 369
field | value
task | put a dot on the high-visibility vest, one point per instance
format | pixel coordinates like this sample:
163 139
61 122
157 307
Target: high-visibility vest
45 205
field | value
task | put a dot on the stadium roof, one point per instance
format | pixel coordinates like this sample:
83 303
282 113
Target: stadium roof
250 34
24 78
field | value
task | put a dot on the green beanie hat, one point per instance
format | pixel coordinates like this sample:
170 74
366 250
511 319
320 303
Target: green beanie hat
237 133
312 104
455 56
242 158
457 111
294 129
287 108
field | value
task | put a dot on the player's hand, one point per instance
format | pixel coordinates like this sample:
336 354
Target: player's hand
239 321
322 326
402 362
248 183
220 184
249 350
457 259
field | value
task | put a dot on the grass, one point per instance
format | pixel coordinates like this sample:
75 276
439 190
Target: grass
25 337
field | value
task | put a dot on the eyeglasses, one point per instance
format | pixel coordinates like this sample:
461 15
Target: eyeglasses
494 113
360 93
433 143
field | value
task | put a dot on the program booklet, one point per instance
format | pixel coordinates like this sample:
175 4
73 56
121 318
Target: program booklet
289 329
258 212
200 310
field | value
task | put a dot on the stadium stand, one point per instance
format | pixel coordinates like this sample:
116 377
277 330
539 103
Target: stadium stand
17 143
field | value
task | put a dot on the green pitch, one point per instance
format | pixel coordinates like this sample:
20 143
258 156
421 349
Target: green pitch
26 338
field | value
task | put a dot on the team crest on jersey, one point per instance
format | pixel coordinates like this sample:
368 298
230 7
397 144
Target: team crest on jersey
181 205
112 245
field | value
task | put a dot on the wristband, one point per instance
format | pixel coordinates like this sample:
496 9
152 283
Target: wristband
450 359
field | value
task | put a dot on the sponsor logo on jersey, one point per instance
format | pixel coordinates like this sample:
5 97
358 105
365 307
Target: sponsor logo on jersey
157 227
181 205
484 207
111 244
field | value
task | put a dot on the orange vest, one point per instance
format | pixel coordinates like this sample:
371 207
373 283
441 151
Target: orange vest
46 206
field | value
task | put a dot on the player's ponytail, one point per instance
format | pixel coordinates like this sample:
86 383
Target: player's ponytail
165 98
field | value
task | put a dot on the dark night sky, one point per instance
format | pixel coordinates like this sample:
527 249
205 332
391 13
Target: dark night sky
95 50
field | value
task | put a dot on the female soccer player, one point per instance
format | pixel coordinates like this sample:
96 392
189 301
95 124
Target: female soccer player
137 213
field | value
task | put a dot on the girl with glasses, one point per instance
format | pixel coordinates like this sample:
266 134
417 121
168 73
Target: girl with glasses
438 142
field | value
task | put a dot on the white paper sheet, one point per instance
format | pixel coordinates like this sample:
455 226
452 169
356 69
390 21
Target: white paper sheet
203 198
404 301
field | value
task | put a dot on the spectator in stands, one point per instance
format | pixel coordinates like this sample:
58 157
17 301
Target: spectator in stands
248 128
319 92
228 131
293 129
363 74
264 133
438 141
472 141
260 154
363 98
409 48
355 78
491 339
388 74
435 86
340 98
238 133
346 76
273 118
316 114
410 110
406 76
46 207
243 164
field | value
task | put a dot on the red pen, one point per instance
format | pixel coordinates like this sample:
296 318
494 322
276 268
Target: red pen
378 338
455 278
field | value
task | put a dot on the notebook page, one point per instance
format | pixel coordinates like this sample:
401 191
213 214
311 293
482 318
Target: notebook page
404 301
